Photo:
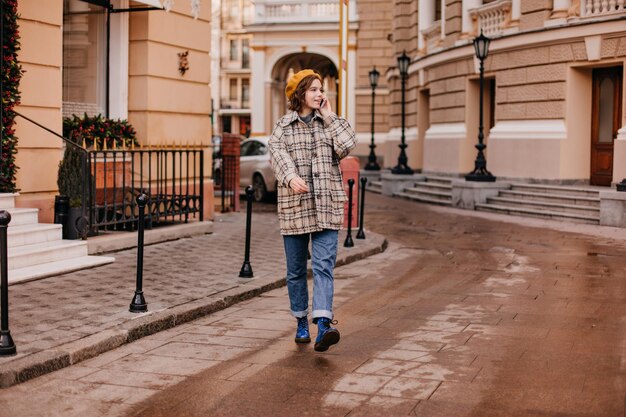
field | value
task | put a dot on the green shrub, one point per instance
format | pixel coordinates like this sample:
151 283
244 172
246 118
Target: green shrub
96 130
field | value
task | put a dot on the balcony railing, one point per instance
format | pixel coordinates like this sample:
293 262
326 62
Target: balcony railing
494 19
297 11
604 8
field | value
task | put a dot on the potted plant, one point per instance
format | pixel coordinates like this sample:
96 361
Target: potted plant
93 133
70 181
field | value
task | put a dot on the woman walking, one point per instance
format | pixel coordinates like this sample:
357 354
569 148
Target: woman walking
305 147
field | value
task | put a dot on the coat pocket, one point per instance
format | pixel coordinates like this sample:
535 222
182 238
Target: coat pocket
337 207
288 200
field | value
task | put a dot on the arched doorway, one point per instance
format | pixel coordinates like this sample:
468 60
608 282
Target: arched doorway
293 63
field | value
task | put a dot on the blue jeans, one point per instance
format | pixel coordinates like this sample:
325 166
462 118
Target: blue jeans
323 256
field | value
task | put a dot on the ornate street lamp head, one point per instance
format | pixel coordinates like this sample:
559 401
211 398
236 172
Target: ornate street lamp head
481 46
374 74
403 64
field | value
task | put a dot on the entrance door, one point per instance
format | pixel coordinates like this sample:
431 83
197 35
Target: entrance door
605 118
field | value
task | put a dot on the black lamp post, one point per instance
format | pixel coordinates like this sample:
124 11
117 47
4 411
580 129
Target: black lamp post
402 168
372 165
480 173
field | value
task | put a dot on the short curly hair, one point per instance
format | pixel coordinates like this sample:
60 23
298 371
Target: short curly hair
297 100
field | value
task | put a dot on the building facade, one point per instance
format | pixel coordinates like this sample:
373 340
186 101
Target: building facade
232 95
157 78
553 104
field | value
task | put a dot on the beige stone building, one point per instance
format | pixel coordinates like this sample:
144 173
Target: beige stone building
553 91
157 78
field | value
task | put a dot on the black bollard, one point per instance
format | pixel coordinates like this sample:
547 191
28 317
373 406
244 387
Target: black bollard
361 234
7 347
246 268
139 305
349 242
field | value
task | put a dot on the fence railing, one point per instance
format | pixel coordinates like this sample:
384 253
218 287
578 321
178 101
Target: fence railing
171 177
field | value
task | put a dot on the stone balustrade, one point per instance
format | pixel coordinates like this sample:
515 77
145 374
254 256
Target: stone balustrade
602 8
295 11
493 18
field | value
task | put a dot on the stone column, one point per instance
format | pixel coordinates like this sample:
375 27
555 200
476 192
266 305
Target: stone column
468 25
560 8
258 91
351 116
516 10
425 17
118 89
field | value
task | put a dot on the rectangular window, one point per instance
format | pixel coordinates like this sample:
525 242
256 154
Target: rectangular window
437 10
84 45
233 89
245 92
245 53
234 50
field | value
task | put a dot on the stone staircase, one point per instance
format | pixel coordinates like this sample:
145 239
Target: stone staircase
433 190
374 186
574 204
37 250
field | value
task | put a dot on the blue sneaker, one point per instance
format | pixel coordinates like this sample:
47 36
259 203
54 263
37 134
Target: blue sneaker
302 332
326 335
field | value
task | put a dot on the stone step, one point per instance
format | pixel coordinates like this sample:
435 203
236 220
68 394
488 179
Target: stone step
375 187
446 187
23 216
30 234
545 214
551 198
33 272
556 190
41 253
438 179
542 205
431 194
424 199
7 201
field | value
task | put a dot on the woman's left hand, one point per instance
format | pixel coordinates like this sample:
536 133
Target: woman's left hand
325 108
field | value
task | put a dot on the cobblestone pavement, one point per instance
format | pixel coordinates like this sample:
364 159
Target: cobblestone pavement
48 314
463 315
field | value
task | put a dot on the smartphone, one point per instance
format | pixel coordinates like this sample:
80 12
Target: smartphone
322 103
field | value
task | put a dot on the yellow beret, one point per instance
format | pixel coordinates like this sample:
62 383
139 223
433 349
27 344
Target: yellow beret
292 83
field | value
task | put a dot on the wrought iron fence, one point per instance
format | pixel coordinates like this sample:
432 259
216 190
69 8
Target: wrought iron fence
171 177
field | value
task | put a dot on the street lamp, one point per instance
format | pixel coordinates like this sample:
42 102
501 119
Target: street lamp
402 167
480 173
372 165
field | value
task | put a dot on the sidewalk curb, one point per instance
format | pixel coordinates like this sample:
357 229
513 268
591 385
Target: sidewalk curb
40 363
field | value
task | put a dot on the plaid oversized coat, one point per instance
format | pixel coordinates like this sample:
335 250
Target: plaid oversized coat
311 151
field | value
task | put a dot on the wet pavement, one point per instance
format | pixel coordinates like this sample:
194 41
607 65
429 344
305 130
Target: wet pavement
65 319
463 315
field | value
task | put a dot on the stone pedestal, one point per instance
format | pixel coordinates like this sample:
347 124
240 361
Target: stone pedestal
613 208
393 183
466 194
